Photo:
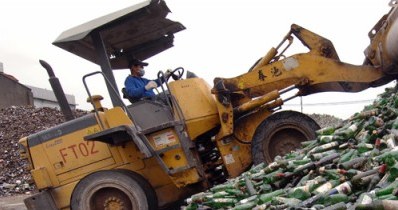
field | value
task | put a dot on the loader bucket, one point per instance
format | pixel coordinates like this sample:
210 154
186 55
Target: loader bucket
382 52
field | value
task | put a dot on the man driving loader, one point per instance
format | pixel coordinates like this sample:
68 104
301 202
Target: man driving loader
136 86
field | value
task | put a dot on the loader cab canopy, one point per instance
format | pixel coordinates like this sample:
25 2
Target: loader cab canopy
140 31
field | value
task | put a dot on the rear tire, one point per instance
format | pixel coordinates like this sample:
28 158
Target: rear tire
281 133
113 189
146 186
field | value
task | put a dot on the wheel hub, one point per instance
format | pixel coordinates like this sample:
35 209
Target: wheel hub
286 146
284 141
113 203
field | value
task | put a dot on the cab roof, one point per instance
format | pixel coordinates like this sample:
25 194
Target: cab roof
140 31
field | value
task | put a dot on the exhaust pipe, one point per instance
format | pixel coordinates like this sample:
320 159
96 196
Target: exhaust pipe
58 91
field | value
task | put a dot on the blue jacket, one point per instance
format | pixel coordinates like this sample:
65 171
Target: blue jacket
135 87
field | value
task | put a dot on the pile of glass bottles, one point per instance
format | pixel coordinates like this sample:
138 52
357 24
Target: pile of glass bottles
350 166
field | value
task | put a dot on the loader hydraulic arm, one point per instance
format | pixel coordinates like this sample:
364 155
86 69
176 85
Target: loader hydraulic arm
318 70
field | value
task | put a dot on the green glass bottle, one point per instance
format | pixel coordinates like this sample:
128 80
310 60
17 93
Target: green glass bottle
219 194
353 163
292 164
393 169
364 147
329 130
364 198
301 161
309 147
388 141
303 180
318 156
249 186
354 155
388 197
351 131
199 197
376 178
290 202
191 206
245 206
326 187
389 112
324 147
265 188
346 156
301 192
220 202
293 155
337 206
388 189
382 183
264 198
262 206
395 124
324 139
274 166
365 114
376 150
333 199
247 203
308 143
384 154
223 187
395 100
236 193
373 123
270 177
343 188
310 201
330 173
348 144
357 180
380 102
349 173
304 192
304 168
379 205
363 136
257 168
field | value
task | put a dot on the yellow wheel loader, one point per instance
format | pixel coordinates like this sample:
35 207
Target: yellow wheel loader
154 152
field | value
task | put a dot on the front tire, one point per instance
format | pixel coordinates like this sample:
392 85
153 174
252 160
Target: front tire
113 189
281 133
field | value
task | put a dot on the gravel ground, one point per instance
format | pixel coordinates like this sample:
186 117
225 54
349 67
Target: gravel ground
13 202
325 120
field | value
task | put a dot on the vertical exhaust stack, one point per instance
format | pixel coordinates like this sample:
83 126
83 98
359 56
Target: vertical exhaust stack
58 91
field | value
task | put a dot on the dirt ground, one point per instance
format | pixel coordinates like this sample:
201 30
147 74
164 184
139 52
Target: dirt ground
16 203
13 202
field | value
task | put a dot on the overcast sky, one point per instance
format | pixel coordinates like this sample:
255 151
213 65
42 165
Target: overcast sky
223 39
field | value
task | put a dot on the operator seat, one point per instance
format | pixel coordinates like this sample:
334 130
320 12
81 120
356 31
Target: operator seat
126 96
159 97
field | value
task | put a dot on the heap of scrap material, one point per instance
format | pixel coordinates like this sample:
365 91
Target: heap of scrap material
17 122
350 166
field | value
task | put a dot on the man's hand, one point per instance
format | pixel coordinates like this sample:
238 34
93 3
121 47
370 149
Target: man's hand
151 85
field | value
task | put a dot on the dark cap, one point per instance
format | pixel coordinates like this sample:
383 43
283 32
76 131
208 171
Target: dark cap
136 62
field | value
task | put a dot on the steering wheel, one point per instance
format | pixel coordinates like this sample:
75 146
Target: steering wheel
176 74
